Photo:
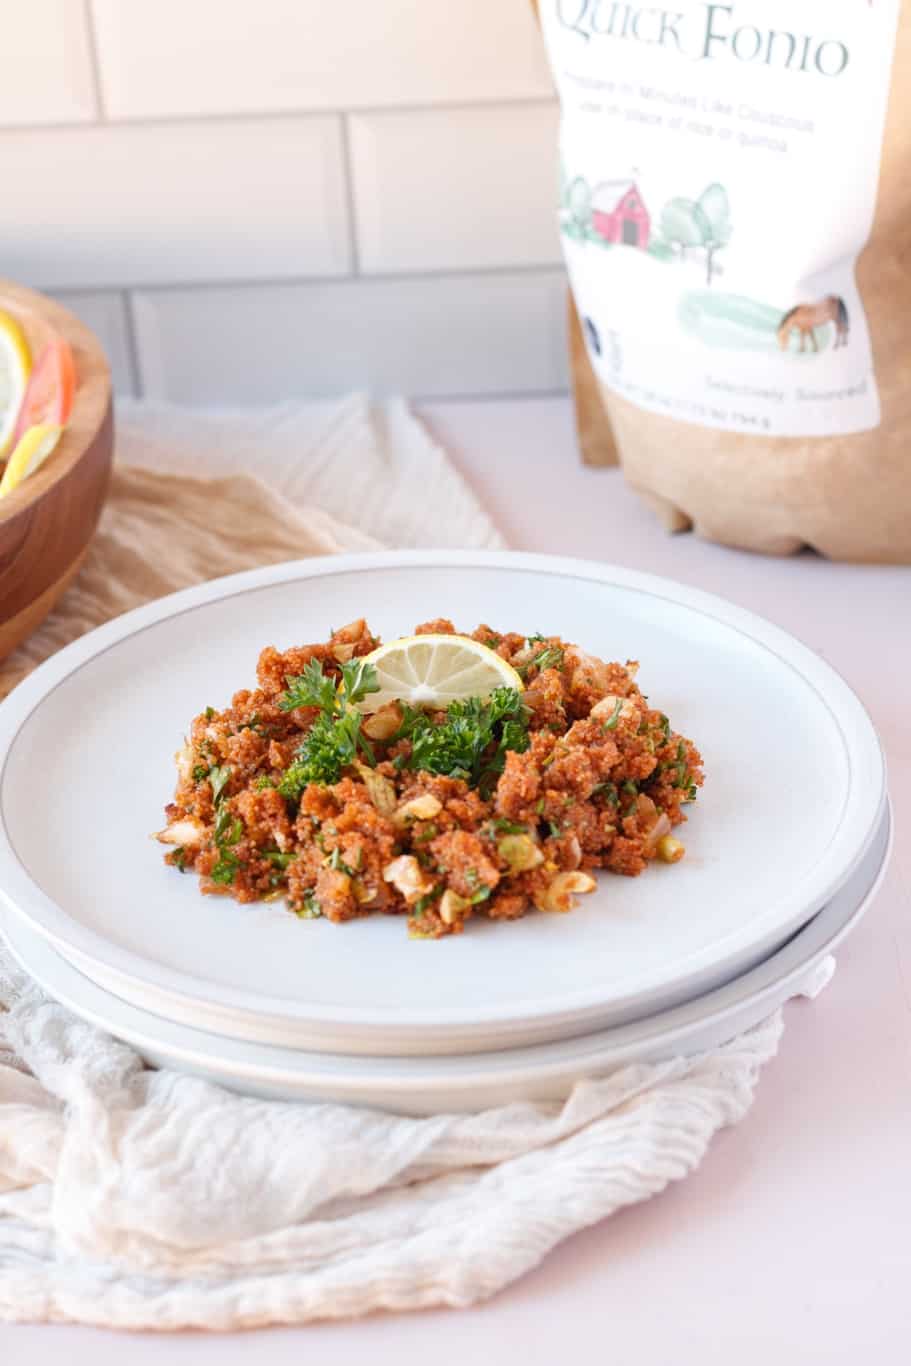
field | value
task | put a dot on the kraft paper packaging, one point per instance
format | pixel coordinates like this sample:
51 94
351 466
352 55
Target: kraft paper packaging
735 214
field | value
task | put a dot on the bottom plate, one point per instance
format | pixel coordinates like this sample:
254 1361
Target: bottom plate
433 1085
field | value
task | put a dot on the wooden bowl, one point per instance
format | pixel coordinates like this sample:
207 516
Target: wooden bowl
47 522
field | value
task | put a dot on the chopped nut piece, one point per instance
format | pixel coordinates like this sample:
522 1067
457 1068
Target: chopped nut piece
184 761
383 724
422 808
186 832
670 850
559 894
452 906
408 877
381 790
605 709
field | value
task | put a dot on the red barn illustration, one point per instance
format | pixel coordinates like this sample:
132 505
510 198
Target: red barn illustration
619 213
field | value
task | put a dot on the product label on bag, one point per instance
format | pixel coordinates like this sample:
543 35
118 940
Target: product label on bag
719 167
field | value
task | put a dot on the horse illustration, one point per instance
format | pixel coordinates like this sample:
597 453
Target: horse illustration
805 317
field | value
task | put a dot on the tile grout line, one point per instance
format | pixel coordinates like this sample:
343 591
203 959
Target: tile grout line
543 268
94 60
351 201
266 115
133 357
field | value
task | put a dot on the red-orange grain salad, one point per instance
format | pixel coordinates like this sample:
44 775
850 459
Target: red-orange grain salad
490 808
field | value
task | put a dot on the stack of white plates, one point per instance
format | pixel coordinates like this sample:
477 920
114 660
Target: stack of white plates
785 848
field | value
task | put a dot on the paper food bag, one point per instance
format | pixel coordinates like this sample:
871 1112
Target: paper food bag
735 213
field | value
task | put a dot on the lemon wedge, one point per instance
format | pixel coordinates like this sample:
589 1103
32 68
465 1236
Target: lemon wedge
15 366
32 449
434 670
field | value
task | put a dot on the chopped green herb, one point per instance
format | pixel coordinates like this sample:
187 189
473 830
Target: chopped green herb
218 777
310 910
263 781
427 834
471 877
509 827
611 723
493 641
339 865
551 657
630 787
209 713
539 806
691 793
180 859
420 906
228 829
608 791
665 727
482 894
681 753
555 829
225 869
278 858
200 772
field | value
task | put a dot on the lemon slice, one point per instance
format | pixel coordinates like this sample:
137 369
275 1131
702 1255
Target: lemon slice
15 365
32 449
434 670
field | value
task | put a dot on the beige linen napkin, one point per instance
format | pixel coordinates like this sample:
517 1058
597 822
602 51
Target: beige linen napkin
134 1198
159 533
187 502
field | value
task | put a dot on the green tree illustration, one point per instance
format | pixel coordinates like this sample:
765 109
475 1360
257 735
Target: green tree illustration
684 225
716 224
704 222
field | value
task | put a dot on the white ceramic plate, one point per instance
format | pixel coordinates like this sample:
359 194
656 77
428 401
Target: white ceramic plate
794 789
478 1081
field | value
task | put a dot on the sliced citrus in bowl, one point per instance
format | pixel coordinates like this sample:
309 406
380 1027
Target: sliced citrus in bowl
32 449
434 670
15 366
49 395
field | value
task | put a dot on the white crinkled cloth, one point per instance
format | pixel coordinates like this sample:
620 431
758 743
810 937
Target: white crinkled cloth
140 1199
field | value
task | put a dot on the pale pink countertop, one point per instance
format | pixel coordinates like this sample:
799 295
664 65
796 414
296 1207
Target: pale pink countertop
792 1243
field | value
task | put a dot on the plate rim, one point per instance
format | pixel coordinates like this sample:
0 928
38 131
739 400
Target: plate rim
842 703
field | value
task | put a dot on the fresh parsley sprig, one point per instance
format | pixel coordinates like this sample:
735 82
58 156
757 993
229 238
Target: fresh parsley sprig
472 742
309 689
334 740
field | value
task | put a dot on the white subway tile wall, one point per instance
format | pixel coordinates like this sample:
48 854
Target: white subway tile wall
161 58
163 203
251 202
459 188
47 64
449 335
